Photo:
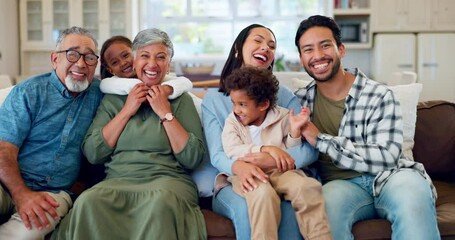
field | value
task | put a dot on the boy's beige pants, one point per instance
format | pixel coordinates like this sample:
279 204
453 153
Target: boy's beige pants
305 195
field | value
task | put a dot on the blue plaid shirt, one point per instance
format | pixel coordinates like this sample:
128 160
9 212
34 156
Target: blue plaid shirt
48 125
370 135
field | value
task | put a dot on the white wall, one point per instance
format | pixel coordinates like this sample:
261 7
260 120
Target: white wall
9 37
358 58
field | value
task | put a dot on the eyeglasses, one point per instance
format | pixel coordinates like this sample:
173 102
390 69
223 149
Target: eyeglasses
73 56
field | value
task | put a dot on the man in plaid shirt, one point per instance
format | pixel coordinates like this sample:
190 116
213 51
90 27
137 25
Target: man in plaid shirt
356 124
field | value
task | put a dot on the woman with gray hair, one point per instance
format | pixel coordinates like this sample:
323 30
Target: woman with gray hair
148 150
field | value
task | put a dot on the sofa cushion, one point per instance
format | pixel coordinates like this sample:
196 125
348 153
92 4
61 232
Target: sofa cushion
408 96
445 207
218 227
435 139
372 229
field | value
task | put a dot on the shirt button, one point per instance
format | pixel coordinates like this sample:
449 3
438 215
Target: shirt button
65 138
48 178
69 120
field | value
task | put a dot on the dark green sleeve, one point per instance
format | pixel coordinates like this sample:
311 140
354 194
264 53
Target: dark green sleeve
185 112
94 147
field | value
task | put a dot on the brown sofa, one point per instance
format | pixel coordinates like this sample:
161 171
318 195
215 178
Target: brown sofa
434 147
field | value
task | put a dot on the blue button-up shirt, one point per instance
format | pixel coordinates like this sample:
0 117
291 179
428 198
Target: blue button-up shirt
48 125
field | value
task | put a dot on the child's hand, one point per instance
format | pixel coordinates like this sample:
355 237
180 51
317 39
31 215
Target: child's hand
296 122
167 90
284 161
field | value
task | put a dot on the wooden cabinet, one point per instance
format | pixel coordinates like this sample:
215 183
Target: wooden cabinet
112 17
354 12
42 21
413 15
9 38
443 15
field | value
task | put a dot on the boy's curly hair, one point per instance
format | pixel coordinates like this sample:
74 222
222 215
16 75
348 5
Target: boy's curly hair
259 84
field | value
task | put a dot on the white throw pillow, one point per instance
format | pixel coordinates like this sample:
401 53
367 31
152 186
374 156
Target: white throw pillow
408 95
289 79
298 83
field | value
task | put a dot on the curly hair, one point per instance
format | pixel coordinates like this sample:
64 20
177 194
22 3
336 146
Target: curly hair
260 84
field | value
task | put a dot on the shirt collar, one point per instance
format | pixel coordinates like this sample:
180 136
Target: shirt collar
356 88
55 81
358 84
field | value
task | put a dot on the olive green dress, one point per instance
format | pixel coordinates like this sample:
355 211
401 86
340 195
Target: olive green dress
147 193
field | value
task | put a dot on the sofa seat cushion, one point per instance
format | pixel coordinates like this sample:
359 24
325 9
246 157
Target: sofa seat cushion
218 227
446 224
372 229
445 207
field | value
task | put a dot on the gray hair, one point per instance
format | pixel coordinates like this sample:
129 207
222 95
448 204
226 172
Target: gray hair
75 30
152 36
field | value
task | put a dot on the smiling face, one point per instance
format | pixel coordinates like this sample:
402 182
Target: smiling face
119 60
151 63
246 110
320 55
75 76
259 48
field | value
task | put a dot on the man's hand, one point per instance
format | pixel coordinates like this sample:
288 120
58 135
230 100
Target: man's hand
283 160
247 173
33 206
310 133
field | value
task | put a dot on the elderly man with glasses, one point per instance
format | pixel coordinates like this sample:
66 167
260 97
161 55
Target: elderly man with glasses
42 124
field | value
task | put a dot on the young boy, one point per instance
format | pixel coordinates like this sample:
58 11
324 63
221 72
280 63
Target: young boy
256 124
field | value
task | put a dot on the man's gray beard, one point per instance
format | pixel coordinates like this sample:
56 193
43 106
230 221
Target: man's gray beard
76 86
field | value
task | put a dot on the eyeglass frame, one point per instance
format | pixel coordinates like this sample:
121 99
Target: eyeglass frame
80 55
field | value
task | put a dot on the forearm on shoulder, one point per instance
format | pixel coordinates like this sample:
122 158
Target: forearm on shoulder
177 86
